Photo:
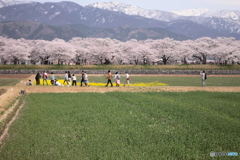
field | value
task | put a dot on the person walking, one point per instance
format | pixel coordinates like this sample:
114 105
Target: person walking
52 78
66 78
109 78
74 80
37 78
82 80
69 77
117 78
203 77
127 79
86 79
45 77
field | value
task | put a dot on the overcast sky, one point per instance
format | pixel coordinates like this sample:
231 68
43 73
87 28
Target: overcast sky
167 5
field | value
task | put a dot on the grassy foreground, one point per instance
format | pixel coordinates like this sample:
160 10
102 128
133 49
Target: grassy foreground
118 125
120 67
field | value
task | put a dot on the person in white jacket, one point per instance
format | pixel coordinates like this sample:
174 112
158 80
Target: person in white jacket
66 78
203 77
117 78
56 83
127 79
74 80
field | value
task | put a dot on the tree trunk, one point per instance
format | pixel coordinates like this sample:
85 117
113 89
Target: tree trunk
185 60
136 62
204 60
165 59
107 61
15 61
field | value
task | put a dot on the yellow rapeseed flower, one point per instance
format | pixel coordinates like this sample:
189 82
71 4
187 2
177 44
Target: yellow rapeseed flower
155 83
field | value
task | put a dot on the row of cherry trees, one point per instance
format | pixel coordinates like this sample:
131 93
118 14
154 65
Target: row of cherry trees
110 51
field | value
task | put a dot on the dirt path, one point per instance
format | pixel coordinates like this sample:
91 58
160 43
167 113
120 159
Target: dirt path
70 89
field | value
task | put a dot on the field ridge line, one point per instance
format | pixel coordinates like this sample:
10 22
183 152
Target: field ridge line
4 132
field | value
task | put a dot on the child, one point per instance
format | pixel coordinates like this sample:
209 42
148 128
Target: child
52 78
66 78
57 83
117 77
45 77
29 83
127 79
86 79
74 80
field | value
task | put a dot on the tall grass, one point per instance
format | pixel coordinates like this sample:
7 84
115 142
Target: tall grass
125 126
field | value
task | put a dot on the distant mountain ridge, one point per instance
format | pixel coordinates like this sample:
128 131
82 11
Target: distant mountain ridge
5 3
135 10
32 30
114 22
70 13
171 15
202 12
223 21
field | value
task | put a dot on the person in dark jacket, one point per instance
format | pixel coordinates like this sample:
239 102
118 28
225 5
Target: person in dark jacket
69 77
37 78
82 80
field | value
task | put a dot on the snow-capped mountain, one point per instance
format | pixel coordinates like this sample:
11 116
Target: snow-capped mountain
125 17
62 13
135 10
225 20
226 14
192 12
5 3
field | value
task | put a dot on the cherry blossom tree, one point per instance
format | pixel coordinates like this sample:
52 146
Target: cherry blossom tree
131 51
40 52
203 48
165 49
3 55
102 50
183 52
82 50
110 51
224 52
15 51
60 51
145 52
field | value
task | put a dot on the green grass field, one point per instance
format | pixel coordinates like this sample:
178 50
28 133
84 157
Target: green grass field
120 125
120 67
9 82
172 81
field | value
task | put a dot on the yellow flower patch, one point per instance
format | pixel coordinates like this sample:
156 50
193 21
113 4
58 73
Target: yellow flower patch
155 83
